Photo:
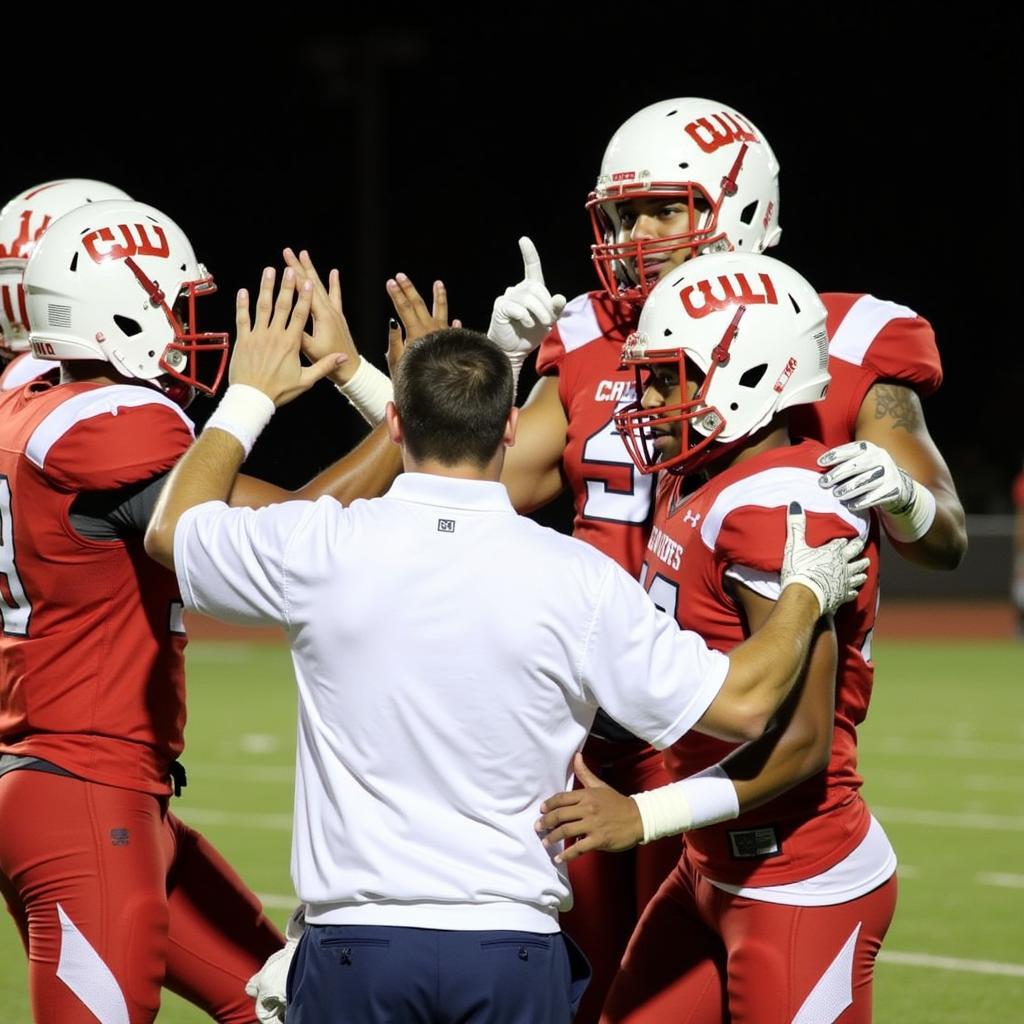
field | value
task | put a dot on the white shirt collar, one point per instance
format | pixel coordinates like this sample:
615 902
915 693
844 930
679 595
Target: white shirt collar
451 492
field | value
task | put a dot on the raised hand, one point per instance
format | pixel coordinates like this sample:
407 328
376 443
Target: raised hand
266 351
330 328
527 310
597 817
413 315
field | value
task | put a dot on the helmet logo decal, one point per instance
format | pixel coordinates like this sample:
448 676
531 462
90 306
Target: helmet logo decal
787 372
730 296
128 246
729 127
25 236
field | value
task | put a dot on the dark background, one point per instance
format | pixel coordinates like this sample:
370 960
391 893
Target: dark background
428 144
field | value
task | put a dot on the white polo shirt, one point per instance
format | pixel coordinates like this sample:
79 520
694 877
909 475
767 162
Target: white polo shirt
450 656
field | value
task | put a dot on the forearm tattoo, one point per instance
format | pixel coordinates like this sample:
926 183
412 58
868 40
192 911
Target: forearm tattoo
898 404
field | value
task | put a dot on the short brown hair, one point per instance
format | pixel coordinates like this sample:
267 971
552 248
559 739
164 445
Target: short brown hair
453 392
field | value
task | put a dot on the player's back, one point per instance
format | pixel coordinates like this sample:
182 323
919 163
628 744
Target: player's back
91 652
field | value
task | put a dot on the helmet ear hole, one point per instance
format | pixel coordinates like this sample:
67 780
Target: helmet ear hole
747 216
129 327
752 377
73 267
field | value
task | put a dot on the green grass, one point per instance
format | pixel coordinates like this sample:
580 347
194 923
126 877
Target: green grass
942 752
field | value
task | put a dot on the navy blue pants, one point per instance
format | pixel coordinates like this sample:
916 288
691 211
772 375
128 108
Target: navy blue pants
385 975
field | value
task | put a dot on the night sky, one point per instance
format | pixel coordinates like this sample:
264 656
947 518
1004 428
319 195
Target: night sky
429 145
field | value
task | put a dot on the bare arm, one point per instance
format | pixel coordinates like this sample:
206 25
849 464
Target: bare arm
764 669
365 472
266 362
800 744
891 417
796 747
533 465
891 436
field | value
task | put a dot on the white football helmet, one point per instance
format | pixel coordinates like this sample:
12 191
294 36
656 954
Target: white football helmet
756 331
699 151
118 281
22 223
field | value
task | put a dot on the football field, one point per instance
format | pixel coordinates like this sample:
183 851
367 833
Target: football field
942 752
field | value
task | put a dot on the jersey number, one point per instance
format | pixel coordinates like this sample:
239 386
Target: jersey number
15 609
631 504
662 591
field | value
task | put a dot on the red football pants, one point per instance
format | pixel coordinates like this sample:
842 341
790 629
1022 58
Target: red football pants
698 949
610 890
115 897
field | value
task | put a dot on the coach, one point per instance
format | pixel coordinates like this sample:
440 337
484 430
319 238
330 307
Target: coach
450 656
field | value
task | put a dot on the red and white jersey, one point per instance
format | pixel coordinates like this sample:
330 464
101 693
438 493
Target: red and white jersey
25 367
738 521
612 498
869 340
91 651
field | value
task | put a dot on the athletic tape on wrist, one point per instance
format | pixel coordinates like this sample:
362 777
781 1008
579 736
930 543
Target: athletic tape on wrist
369 391
915 519
703 799
243 412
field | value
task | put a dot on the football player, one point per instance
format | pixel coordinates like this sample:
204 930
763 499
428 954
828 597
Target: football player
22 223
113 895
679 179
779 904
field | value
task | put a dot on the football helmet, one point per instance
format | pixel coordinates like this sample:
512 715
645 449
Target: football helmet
22 223
118 281
756 331
698 151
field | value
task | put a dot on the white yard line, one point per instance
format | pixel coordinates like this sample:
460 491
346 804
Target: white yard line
949 819
950 963
211 816
1000 879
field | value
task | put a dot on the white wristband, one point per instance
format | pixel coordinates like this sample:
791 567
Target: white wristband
703 799
915 519
369 391
516 360
243 412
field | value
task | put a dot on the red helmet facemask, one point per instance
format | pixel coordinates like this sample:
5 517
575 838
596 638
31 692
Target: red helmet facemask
620 266
637 425
180 359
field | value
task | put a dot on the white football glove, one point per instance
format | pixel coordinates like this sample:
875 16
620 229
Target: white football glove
864 475
833 572
525 313
268 986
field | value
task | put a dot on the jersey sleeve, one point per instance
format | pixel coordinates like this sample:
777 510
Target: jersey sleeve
755 537
746 525
652 677
905 351
101 442
887 338
233 563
